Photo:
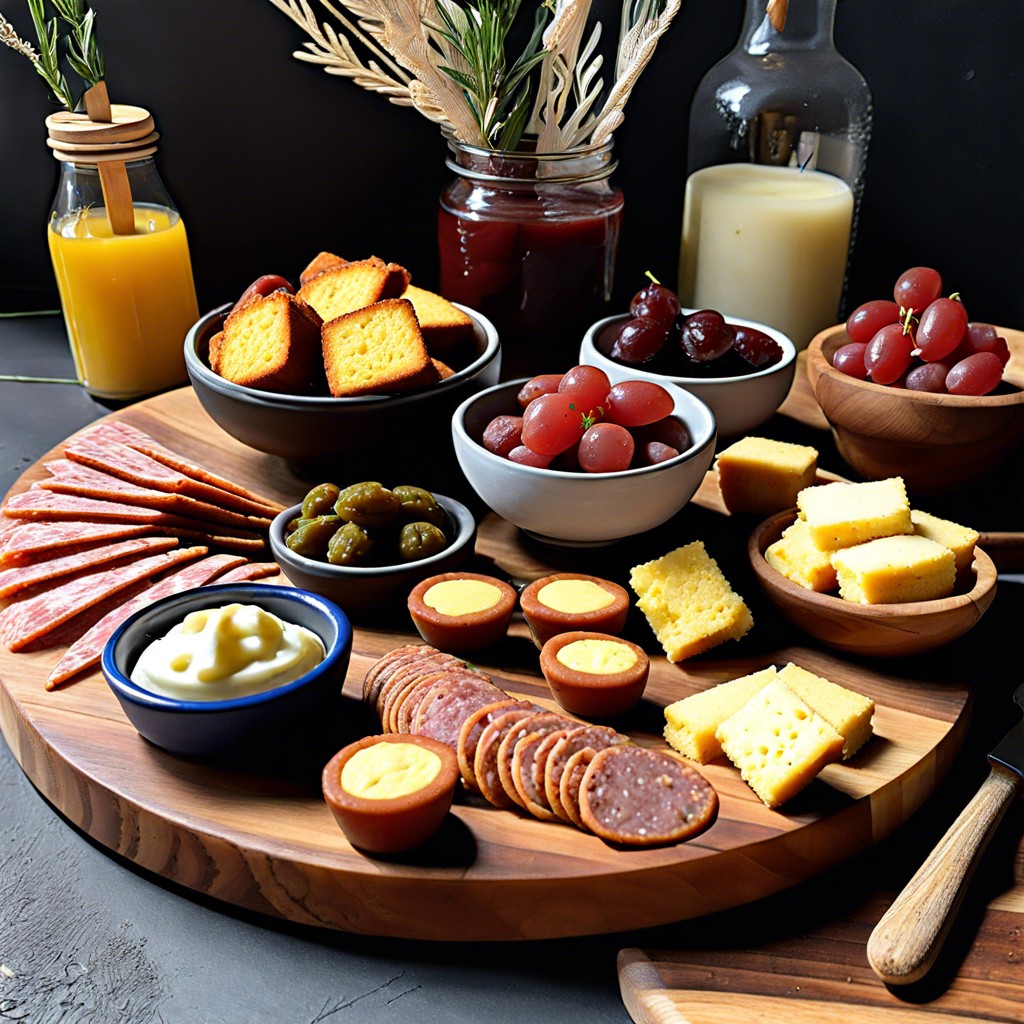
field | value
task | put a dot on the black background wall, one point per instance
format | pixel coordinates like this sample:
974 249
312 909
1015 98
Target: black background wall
271 160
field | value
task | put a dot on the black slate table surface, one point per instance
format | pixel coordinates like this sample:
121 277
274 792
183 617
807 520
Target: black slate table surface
85 937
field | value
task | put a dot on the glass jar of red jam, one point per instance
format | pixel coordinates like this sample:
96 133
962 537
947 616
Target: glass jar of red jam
529 239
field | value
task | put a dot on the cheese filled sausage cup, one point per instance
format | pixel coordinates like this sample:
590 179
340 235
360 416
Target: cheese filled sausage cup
390 793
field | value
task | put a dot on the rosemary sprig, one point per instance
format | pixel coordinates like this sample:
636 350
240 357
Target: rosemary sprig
498 96
81 49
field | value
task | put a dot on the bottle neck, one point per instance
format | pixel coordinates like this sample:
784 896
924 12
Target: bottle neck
809 25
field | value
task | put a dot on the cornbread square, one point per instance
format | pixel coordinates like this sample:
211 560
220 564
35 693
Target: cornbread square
848 712
840 515
445 327
778 742
688 602
272 343
961 540
376 350
691 723
350 286
757 474
894 569
799 559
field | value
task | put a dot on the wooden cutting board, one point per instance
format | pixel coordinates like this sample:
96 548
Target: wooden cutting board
265 840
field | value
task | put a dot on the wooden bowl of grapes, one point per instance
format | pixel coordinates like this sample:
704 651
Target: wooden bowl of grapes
935 440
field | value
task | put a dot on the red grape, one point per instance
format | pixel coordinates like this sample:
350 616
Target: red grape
542 384
976 375
888 354
635 403
756 347
638 340
524 457
606 448
653 452
917 288
982 338
587 386
928 377
656 302
706 335
551 423
942 325
503 434
262 287
870 317
849 359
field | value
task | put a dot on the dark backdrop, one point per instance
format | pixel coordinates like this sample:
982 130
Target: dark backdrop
271 160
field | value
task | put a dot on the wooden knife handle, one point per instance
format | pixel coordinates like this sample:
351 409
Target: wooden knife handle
1005 549
906 941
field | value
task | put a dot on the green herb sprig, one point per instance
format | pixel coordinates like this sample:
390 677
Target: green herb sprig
80 47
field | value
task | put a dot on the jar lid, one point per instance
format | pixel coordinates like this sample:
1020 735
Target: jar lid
128 135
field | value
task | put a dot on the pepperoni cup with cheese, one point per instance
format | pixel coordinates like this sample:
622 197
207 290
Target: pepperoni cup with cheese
390 793
594 674
462 611
570 601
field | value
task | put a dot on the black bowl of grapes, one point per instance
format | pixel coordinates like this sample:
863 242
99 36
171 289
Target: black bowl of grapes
742 369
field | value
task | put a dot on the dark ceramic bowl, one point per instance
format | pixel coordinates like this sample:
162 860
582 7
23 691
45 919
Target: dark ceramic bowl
219 728
374 587
405 430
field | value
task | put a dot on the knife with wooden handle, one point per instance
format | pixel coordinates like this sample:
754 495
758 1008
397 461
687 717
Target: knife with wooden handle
908 938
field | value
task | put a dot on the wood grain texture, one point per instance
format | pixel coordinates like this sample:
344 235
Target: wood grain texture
266 841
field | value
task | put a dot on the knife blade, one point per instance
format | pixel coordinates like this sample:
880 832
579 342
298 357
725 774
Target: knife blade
905 942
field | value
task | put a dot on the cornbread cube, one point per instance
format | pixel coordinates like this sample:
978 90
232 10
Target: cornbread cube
799 559
961 540
445 327
757 474
691 723
321 262
778 742
351 286
375 350
848 712
689 602
895 569
840 515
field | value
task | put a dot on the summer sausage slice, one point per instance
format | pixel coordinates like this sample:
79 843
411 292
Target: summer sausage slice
571 782
485 762
471 731
643 797
594 737
444 708
542 723
527 760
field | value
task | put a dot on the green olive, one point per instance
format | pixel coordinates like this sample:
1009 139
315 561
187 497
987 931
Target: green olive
312 536
420 540
320 500
368 504
419 505
351 545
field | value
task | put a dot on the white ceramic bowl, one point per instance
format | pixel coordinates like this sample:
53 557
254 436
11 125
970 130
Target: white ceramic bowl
740 404
567 508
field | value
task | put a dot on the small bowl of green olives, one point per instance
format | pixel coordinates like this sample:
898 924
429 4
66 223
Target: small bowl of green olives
365 545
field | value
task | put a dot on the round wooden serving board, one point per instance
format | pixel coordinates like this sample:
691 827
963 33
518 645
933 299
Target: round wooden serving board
267 842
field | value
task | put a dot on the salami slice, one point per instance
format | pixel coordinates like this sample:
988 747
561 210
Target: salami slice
381 669
249 572
142 442
543 723
26 621
22 577
443 710
642 797
104 450
485 761
413 683
29 542
86 651
592 737
527 759
571 782
69 477
472 729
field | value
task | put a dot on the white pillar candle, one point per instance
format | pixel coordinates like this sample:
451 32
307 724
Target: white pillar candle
767 244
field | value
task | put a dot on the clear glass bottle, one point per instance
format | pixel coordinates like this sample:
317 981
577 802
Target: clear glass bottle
128 298
780 99
530 240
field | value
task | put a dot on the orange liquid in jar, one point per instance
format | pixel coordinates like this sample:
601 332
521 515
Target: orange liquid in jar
128 300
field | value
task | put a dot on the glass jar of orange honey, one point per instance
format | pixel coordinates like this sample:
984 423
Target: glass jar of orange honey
120 255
